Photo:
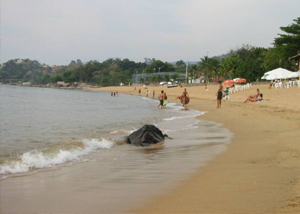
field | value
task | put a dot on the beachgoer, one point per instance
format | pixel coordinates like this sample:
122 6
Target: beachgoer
165 99
219 95
254 96
226 93
206 88
259 98
184 95
147 92
153 96
117 94
161 99
140 91
114 94
111 93
271 84
165 96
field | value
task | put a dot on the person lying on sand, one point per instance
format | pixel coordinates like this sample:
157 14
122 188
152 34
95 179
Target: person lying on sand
259 98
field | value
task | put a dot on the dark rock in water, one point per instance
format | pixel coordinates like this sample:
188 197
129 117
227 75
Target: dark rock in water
145 136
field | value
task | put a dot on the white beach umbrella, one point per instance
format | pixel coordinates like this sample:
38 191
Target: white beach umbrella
279 73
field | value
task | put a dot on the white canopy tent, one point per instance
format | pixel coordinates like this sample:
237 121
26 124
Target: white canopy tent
279 73
295 74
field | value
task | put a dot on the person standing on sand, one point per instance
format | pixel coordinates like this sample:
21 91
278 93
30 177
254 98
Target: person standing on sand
153 96
140 91
161 99
219 95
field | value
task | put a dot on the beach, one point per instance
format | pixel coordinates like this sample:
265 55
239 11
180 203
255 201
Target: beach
258 173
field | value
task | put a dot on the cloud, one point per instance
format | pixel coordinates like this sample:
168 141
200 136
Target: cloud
55 31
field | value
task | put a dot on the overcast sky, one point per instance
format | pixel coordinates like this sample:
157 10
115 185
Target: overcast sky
58 31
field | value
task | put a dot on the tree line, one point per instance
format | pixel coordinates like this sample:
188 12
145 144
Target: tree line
247 62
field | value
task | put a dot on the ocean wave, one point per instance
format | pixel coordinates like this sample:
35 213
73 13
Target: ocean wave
38 160
183 117
123 132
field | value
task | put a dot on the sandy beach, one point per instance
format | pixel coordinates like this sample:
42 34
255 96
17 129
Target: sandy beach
259 172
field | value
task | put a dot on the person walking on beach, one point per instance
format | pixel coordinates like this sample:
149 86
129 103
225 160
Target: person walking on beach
161 99
219 95
153 96
184 98
140 91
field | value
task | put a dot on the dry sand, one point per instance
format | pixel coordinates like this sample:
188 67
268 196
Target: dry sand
260 171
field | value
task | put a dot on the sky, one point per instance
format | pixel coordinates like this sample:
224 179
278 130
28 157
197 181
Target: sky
58 31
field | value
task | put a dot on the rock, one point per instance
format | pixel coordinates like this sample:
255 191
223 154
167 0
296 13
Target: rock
145 136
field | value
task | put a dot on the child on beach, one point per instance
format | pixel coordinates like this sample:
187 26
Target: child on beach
165 96
226 93
161 99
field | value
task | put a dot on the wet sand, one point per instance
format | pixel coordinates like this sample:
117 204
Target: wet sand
258 173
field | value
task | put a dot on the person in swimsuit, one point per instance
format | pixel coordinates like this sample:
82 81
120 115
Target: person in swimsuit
254 96
259 98
165 96
184 95
219 95
161 99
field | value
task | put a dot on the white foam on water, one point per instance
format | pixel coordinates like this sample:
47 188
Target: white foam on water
122 131
186 116
39 160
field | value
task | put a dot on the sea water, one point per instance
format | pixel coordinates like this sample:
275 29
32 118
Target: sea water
85 131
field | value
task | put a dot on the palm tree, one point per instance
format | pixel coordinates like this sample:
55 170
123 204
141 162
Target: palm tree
229 65
209 66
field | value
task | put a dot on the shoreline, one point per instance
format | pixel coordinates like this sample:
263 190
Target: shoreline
258 173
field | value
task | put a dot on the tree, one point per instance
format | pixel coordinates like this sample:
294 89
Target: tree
18 68
166 77
159 66
55 78
174 77
289 43
209 66
180 63
291 40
